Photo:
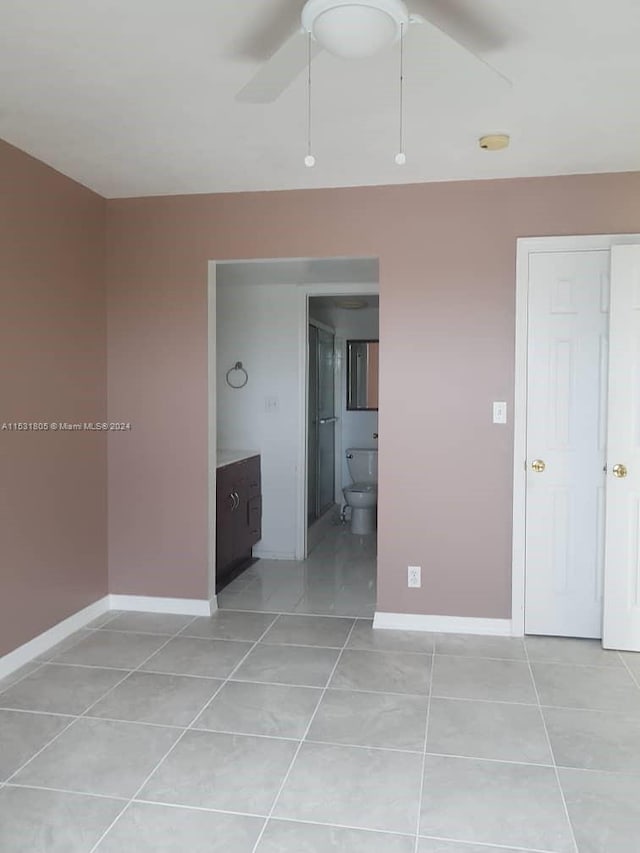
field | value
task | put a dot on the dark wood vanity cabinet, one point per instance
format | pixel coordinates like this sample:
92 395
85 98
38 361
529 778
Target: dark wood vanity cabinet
238 517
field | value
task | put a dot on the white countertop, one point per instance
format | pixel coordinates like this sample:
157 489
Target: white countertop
228 457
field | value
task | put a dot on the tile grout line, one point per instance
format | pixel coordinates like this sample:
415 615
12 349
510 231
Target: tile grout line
180 737
76 717
367 618
38 666
132 671
440 697
303 739
489 845
66 791
634 678
553 757
8 687
424 751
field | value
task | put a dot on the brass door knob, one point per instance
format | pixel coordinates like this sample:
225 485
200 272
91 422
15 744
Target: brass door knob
619 470
538 465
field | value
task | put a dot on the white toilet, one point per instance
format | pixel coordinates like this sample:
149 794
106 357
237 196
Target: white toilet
362 494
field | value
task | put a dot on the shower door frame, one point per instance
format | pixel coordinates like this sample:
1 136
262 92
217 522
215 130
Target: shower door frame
337 420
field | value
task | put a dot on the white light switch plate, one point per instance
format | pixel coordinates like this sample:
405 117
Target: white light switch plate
499 413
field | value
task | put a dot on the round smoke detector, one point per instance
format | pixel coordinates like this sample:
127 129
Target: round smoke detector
494 141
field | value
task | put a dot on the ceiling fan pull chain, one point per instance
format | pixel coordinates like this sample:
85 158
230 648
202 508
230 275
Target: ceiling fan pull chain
309 160
401 157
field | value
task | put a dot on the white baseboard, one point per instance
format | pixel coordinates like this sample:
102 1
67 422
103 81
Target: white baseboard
151 604
43 642
144 603
443 624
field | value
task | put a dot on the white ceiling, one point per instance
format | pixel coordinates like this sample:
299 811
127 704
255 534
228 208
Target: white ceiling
137 98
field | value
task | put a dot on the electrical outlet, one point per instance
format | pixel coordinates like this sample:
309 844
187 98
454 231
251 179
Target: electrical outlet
414 576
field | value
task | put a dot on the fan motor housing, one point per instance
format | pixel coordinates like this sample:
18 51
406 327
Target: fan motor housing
354 29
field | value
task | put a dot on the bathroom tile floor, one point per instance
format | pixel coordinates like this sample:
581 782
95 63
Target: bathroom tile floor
338 578
266 731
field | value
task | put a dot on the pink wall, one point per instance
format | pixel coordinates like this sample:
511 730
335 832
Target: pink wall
447 257
52 367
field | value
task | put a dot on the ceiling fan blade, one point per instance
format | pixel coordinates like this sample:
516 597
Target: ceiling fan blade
471 35
279 71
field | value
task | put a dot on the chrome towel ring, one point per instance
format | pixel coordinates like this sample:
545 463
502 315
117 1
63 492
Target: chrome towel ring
239 381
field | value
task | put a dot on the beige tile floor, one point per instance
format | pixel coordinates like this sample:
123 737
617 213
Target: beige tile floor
270 731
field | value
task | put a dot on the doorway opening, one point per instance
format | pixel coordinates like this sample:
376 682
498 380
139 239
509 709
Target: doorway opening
277 357
342 420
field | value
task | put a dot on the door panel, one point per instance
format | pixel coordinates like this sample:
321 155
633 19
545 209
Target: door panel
566 430
312 427
622 537
224 518
327 420
321 445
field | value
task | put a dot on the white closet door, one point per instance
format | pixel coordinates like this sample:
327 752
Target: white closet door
621 629
566 441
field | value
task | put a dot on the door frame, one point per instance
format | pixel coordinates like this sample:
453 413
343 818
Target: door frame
304 292
526 246
301 294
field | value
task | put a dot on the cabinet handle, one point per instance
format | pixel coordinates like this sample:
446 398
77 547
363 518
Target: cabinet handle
237 500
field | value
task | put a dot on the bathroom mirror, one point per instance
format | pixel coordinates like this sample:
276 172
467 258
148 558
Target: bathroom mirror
362 376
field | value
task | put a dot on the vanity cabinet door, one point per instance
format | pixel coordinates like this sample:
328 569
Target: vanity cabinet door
238 516
255 519
241 543
224 518
254 484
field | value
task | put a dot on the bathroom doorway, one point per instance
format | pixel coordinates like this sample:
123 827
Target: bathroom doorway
342 394
259 335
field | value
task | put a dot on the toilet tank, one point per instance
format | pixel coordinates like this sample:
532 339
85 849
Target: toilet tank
363 465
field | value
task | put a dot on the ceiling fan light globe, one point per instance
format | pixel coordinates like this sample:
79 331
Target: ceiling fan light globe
354 29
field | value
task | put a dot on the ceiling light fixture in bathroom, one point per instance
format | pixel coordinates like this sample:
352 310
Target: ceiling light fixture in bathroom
350 304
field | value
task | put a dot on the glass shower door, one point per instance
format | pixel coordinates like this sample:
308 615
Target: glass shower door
321 423
326 421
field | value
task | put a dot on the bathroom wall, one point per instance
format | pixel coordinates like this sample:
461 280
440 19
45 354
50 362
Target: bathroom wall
258 325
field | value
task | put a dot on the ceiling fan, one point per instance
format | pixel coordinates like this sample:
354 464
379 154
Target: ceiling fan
349 29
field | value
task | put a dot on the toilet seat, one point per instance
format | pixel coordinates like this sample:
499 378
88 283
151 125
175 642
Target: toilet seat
365 488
